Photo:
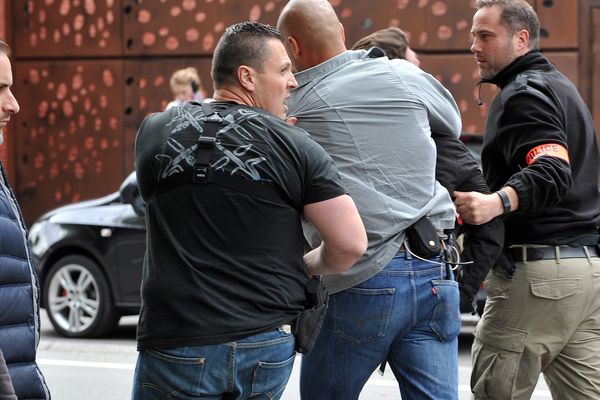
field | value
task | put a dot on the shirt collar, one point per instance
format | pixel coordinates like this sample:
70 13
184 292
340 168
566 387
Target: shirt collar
530 60
318 71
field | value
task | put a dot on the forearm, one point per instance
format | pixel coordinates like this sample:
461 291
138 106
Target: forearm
323 261
343 234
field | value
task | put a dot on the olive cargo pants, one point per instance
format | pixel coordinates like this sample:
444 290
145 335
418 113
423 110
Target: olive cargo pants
546 319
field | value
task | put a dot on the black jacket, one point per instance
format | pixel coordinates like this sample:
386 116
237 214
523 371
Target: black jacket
559 201
456 169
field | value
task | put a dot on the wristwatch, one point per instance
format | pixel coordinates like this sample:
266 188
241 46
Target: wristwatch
505 201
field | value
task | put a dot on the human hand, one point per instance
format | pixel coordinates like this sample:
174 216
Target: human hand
291 120
477 208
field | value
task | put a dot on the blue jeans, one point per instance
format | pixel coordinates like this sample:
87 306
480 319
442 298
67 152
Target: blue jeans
408 315
256 367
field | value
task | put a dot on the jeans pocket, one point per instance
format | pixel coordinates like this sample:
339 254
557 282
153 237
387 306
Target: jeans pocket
554 289
496 355
361 315
445 319
270 378
171 376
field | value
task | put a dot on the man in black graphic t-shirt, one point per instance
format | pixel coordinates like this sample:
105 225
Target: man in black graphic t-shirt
224 272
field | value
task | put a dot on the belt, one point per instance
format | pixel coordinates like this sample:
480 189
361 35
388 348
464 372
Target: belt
526 253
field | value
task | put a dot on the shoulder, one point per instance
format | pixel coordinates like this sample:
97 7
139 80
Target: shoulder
155 117
291 134
530 85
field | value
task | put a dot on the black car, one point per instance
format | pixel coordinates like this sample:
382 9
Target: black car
89 259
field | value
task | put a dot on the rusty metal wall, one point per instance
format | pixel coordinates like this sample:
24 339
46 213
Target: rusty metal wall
67 28
69 140
88 71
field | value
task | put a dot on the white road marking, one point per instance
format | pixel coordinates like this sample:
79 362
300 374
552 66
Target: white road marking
85 364
377 381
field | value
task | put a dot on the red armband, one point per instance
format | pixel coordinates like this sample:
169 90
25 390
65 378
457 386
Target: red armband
549 150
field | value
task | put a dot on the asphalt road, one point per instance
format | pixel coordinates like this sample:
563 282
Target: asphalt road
102 369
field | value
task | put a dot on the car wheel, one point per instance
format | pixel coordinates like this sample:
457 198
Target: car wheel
78 299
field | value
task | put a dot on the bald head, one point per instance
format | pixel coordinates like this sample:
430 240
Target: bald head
313 31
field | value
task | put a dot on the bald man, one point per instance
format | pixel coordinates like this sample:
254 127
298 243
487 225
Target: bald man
374 117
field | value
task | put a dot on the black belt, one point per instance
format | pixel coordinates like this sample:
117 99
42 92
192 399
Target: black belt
551 252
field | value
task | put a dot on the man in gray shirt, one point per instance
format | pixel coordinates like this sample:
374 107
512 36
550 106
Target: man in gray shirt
375 116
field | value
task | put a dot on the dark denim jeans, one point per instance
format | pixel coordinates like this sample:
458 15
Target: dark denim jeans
256 367
407 315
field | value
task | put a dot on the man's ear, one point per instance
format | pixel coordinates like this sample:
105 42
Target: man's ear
522 40
245 76
343 33
294 47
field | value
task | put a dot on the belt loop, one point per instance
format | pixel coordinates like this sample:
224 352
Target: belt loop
443 262
524 252
407 248
587 254
557 254
442 270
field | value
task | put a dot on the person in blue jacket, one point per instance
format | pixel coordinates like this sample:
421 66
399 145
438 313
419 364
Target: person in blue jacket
20 377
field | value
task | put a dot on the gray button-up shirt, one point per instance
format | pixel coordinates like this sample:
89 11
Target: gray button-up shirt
374 116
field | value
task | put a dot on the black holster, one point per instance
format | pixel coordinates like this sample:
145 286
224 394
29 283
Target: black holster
423 239
308 325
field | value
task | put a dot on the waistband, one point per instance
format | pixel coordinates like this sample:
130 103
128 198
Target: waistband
522 253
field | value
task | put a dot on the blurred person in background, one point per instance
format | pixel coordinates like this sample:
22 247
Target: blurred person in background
186 86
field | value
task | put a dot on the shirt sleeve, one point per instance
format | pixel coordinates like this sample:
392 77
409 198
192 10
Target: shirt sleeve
145 174
536 147
443 112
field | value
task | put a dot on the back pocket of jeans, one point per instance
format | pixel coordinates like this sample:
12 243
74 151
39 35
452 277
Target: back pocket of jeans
361 315
171 375
445 319
270 378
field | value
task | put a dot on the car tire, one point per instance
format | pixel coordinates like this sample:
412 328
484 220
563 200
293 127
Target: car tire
78 299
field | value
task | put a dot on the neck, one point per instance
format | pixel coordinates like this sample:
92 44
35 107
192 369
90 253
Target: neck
237 95
318 57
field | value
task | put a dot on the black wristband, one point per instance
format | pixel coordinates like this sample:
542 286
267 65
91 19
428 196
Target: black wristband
505 201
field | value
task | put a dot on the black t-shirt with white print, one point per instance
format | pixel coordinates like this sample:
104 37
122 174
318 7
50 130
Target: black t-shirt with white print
221 264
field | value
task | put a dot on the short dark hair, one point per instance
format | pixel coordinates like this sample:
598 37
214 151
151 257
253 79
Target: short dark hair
244 43
393 41
4 47
517 15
